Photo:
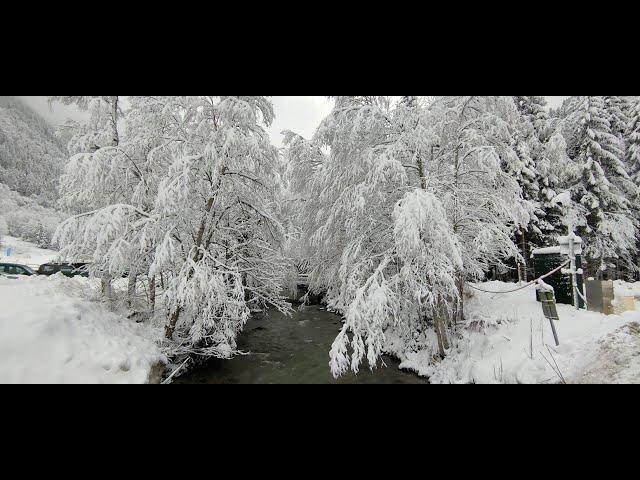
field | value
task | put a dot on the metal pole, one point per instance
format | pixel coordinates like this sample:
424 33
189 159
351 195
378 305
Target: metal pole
574 281
555 334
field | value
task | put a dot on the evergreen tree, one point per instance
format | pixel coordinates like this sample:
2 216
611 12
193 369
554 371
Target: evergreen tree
539 183
603 189
633 142
618 115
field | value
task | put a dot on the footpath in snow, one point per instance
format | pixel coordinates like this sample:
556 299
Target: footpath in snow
52 332
508 340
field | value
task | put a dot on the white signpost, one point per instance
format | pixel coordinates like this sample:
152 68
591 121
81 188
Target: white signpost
571 245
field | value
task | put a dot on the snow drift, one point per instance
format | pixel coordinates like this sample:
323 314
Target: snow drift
50 334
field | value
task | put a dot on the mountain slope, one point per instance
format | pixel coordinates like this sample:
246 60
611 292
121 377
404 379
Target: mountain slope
31 157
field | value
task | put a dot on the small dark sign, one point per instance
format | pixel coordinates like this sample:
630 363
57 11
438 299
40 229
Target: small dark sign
549 305
550 310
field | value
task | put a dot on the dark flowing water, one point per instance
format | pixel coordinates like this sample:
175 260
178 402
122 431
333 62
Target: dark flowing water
291 349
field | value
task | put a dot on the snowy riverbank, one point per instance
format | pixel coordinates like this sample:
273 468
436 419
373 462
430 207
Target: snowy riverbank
511 342
52 332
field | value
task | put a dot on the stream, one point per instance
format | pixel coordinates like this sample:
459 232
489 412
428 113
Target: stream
294 349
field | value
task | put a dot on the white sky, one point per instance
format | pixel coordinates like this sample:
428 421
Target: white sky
302 114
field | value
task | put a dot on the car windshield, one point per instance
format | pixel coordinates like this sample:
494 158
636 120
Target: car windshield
29 270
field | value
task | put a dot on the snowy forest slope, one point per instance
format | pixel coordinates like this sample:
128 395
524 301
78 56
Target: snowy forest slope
31 156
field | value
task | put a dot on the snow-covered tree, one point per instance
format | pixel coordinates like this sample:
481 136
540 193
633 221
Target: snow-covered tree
534 109
217 208
604 188
633 141
543 151
96 185
618 116
412 199
479 166
196 204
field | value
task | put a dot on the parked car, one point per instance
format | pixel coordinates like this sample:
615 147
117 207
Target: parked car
67 269
15 269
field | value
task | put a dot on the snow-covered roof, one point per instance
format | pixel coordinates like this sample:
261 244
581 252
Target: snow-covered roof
546 251
565 239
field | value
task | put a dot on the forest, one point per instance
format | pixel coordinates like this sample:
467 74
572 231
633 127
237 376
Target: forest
392 208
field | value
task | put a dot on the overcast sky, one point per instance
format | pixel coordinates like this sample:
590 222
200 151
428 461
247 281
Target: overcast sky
300 114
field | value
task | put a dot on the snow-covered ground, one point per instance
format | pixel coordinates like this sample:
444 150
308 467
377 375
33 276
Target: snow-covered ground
24 253
625 289
508 340
52 332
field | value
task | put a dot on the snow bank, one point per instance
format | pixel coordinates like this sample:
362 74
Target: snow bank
624 289
50 333
508 340
24 253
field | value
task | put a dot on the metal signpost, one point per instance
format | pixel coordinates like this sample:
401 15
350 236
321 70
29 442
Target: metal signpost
550 310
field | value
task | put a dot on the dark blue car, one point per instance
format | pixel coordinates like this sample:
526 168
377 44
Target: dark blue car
15 269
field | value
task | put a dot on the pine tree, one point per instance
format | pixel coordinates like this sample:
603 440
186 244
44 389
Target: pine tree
633 142
604 187
618 115
537 148
534 109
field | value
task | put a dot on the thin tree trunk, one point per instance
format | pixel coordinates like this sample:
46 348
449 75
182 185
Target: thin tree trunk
441 330
175 315
152 294
459 317
106 287
114 121
131 288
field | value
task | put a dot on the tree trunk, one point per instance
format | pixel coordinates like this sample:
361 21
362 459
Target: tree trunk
131 288
106 287
173 321
175 315
114 121
152 294
522 267
441 329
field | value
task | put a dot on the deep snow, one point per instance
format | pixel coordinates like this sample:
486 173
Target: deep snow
51 332
508 340
24 253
